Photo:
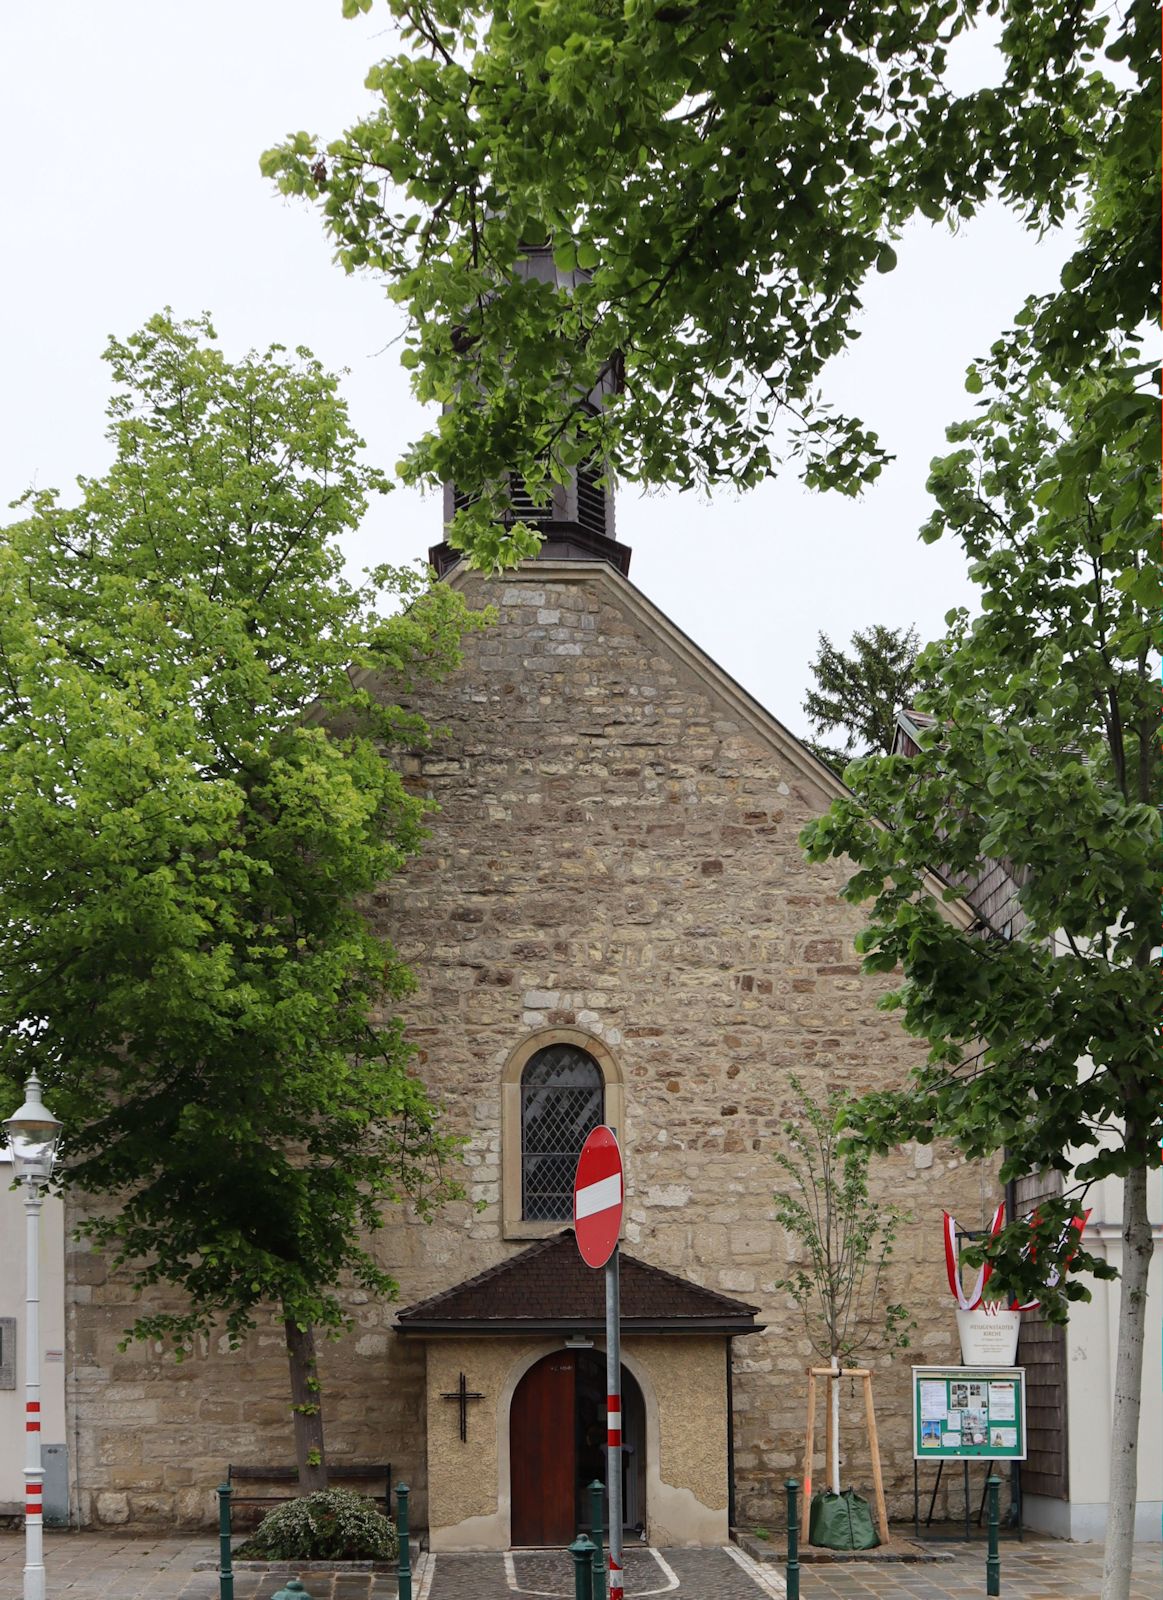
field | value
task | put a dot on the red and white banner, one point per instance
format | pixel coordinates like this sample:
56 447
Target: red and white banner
974 1299
1077 1223
971 1301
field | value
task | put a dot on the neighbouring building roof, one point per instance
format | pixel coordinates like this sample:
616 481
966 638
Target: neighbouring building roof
994 888
549 1289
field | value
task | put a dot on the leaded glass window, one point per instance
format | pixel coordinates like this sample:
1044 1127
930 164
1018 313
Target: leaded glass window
561 1102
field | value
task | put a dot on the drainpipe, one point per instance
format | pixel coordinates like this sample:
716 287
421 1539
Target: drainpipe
730 1440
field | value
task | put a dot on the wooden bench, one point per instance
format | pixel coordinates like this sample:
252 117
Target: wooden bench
379 1472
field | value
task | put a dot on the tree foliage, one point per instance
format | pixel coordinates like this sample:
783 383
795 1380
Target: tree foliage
1044 755
717 183
196 794
860 694
845 1240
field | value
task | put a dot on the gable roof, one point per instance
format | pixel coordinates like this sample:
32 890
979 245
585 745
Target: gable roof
549 1289
761 722
994 888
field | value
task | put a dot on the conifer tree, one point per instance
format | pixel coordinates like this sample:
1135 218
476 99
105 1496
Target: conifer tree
859 695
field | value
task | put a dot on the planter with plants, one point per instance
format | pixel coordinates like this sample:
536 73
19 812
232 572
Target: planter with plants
332 1526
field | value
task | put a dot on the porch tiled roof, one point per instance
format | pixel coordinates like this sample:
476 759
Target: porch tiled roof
549 1289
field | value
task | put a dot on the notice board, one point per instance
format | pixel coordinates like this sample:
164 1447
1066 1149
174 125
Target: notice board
969 1413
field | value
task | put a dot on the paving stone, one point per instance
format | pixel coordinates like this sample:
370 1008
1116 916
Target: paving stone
84 1566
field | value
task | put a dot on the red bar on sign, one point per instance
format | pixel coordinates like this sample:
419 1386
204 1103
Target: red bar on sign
32 1427
32 1405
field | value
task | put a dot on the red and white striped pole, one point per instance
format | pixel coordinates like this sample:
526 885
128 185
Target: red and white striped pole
33 1468
614 1420
597 1222
32 1134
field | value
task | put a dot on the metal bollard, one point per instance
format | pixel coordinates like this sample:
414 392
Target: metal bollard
582 1550
597 1491
404 1565
993 1560
793 1540
293 1590
225 1565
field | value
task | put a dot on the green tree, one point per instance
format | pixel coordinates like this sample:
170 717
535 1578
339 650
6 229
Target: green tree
717 181
845 1242
196 793
1044 753
860 694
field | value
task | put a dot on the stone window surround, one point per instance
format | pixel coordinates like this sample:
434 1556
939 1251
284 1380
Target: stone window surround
513 1224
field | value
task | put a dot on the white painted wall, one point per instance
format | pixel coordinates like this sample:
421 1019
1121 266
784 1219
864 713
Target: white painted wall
1091 1342
52 1327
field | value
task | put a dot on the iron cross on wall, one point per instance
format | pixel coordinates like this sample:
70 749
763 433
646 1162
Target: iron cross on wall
462 1394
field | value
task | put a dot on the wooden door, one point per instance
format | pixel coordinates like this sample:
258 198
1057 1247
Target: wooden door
542 1449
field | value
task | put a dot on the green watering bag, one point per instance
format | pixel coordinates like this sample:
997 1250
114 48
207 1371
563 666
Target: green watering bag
841 1521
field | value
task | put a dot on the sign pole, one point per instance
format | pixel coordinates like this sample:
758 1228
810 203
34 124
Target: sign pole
597 1222
614 1420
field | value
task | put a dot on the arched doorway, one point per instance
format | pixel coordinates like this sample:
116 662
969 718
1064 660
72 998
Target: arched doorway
557 1434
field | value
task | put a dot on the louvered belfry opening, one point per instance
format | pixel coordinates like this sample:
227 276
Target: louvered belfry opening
524 508
583 501
562 1102
591 499
577 521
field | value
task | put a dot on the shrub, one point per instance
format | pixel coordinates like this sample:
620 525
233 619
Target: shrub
332 1525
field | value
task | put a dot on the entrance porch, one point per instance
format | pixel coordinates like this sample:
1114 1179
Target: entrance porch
527 1338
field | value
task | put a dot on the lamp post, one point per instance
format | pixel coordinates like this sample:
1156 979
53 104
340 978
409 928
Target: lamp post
32 1137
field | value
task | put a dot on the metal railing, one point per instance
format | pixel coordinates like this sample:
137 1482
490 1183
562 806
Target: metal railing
294 1587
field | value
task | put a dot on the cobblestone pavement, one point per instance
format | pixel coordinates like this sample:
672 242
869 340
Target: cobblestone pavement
1034 1569
88 1566
99 1566
685 1574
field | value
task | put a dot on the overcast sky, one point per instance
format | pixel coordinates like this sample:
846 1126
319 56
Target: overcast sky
132 132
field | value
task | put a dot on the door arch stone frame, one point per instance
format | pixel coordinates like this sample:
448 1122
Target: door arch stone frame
513 1224
523 1363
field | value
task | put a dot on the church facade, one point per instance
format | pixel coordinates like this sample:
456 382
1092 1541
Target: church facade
612 920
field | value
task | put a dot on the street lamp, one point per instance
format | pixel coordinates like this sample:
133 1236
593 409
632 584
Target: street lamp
32 1138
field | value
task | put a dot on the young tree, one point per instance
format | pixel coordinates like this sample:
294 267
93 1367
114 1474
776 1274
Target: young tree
196 793
1044 752
860 694
717 182
845 1243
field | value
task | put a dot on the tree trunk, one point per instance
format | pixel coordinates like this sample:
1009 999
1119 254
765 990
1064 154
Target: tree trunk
1124 1475
310 1457
834 1403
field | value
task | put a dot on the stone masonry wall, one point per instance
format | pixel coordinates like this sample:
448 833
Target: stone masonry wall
616 851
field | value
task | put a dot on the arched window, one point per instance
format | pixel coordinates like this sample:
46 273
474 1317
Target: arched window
562 1101
556 1085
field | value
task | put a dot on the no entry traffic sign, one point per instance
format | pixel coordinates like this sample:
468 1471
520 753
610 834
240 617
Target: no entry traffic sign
597 1218
597 1197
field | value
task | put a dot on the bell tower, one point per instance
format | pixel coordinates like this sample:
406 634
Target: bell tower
577 524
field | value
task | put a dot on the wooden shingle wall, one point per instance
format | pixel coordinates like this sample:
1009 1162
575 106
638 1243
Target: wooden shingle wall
1042 1351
